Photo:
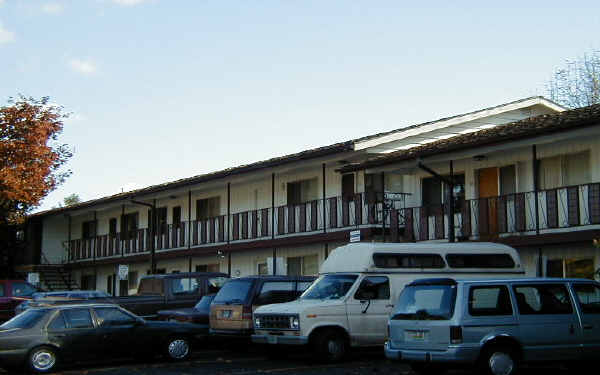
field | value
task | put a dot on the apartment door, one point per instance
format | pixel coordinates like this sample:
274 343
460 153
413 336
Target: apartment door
488 204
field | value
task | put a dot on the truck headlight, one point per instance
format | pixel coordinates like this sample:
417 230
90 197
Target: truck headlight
295 322
257 322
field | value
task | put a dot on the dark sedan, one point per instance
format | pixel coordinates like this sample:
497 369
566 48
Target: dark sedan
42 338
198 314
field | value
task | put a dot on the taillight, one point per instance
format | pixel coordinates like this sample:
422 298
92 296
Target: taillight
247 312
456 335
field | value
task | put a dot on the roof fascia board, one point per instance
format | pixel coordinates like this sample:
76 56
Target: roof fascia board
402 134
500 146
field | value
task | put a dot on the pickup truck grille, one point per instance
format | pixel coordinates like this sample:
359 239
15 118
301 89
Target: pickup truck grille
275 322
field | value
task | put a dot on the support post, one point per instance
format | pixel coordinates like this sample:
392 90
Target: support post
273 221
535 166
450 195
383 208
324 202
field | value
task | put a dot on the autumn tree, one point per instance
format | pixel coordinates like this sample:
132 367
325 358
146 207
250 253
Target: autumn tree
30 157
577 83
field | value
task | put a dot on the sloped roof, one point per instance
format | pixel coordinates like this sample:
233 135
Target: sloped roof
274 162
527 128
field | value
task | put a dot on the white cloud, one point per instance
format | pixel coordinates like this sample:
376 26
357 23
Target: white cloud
127 3
5 35
83 66
52 8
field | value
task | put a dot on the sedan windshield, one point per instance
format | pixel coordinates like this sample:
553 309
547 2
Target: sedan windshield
26 319
426 302
330 287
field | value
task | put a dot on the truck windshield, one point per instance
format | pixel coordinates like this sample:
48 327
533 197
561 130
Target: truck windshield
330 287
426 302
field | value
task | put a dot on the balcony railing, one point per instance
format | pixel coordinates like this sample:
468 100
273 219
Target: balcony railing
511 214
335 213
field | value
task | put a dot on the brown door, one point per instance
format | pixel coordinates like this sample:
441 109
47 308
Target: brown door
488 193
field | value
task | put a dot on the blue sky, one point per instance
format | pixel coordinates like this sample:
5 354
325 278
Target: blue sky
165 89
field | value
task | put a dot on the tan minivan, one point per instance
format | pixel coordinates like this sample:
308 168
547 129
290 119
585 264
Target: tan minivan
231 310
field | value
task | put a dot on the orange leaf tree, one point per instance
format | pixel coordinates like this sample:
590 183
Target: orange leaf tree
30 156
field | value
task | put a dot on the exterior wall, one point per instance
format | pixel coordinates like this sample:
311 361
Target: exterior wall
55 231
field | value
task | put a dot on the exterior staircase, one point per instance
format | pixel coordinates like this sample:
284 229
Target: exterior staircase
53 277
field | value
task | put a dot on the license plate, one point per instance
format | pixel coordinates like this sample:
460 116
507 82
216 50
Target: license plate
226 314
272 339
415 335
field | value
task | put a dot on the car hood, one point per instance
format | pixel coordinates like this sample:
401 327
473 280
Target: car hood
298 306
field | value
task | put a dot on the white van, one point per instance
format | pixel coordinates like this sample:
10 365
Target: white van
351 301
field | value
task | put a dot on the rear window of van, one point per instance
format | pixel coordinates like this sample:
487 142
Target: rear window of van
234 291
426 302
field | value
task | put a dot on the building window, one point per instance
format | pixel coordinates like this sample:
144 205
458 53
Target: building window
348 187
88 282
129 225
112 226
564 170
571 268
262 268
305 265
132 279
302 191
373 188
435 192
207 208
208 267
508 180
88 229
177 216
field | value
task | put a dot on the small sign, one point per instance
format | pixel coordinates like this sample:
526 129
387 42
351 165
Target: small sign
123 272
355 236
33 278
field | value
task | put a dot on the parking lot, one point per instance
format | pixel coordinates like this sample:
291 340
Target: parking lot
256 361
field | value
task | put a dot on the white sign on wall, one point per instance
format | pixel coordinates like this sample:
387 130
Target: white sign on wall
33 278
123 271
355 236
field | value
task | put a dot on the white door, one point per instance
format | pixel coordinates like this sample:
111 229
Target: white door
369 310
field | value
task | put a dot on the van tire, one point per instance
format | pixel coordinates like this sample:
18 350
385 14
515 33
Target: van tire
499 360
330 346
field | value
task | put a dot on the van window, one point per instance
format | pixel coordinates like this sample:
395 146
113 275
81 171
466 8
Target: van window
408 261
234 291
186 285
426 302
543 299
373 287
276 285
589 298
489 300
480 261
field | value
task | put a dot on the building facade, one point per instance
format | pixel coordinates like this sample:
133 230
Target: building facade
284 215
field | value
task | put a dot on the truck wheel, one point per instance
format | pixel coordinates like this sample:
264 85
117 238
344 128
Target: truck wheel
499 360
42 359
178 348
330 346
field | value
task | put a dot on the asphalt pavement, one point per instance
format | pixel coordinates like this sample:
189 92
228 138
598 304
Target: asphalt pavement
257 361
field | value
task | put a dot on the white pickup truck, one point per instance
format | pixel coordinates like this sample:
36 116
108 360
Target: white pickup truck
351 301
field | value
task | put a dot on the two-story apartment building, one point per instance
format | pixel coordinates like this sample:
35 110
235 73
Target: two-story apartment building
284 215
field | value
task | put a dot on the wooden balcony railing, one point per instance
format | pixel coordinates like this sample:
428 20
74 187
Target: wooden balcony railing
309 217
511 214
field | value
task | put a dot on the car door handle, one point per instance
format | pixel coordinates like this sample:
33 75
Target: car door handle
588 326
389 305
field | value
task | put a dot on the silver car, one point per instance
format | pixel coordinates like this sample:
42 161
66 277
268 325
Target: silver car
494 324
